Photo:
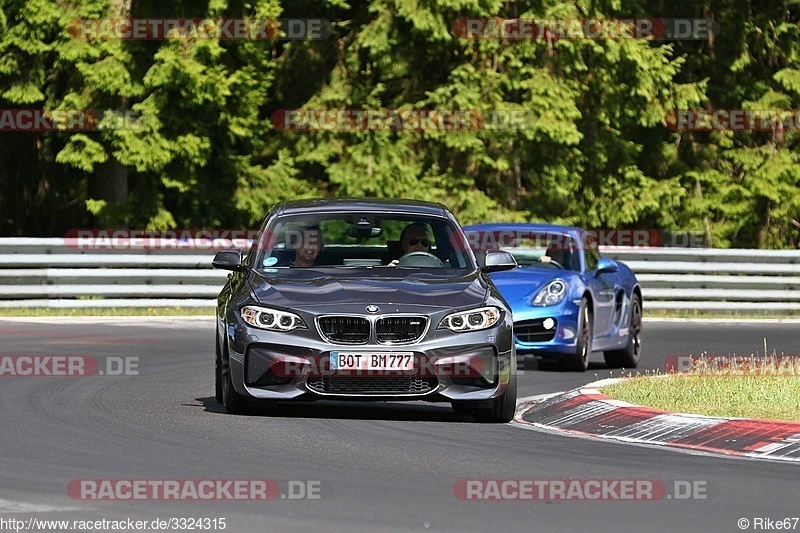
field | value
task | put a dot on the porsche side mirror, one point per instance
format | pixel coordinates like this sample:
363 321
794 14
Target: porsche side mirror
606 266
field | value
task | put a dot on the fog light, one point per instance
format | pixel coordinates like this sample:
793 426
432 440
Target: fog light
548 323
567 333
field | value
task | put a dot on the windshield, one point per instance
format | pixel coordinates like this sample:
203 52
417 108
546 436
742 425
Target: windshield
530 248
362 240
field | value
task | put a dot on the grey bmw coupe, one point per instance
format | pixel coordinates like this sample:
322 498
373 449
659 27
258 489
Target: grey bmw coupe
364 299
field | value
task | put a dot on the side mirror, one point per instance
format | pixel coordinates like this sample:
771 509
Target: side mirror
228 260
606 266
498 260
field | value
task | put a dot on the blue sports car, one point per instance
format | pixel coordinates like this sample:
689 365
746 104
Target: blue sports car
566 299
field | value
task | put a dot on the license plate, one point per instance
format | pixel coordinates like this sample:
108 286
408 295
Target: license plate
372 361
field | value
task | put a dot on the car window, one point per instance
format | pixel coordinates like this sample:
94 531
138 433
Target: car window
591 252
358 240
530 248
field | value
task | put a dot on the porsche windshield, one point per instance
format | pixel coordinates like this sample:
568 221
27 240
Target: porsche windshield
530 248
362 240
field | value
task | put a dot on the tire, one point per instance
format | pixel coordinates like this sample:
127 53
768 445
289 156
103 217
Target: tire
218 373
579 361
629 356
234 403
504 406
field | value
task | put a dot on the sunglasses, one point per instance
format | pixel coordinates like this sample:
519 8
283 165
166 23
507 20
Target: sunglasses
413 241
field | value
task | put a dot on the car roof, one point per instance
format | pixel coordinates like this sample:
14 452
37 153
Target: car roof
354 205
528 227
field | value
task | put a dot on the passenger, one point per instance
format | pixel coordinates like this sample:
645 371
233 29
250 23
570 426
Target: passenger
309 248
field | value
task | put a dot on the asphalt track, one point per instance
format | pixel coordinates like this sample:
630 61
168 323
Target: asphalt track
380 467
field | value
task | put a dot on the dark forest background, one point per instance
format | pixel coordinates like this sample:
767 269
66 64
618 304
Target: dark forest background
595 149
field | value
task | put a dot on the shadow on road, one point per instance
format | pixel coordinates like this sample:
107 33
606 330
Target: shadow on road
366 410
551 365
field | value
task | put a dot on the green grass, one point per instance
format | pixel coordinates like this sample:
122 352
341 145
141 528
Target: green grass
106 311
750 388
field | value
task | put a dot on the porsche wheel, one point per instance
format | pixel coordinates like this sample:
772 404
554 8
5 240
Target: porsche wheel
579 361
629 356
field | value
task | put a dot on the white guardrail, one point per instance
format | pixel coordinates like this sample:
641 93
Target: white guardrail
47 273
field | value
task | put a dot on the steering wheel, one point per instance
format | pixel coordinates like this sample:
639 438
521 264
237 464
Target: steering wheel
450 259
550 261
420 259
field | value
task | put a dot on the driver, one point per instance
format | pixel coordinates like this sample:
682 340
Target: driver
559 252
553 254
414 238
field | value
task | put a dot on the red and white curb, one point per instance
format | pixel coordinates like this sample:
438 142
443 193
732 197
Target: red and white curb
588 412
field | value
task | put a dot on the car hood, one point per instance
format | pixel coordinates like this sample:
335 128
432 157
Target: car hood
311 289
523 282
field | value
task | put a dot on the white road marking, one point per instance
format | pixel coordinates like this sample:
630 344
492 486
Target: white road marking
9 506
538 397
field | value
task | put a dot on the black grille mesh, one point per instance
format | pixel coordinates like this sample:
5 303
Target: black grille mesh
400 328
345 329
534 331
372 384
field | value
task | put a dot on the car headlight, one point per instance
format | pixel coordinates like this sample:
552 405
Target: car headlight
551 294
473 320
271 319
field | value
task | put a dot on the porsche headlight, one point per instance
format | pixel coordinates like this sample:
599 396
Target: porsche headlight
271 319
473 320
551 294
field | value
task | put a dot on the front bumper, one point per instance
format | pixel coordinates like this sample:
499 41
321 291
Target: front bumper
532 337
285 366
